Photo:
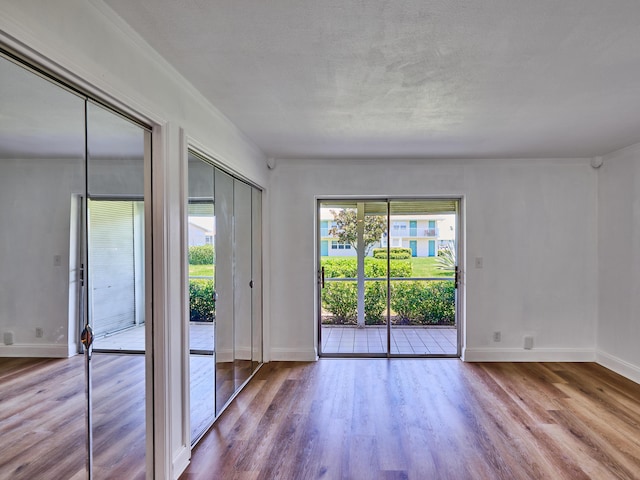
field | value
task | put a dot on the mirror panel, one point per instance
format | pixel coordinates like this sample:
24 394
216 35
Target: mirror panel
256 268
42 377
116 292
224 326
201 259
242 290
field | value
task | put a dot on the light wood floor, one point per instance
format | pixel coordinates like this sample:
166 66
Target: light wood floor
426 419
43 419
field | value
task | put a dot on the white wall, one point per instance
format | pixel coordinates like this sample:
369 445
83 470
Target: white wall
35 195
532 221
619 262
84 42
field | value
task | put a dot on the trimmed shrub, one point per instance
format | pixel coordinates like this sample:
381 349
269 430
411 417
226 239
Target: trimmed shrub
441 307
375 302
395 253
340 267
202 306
427 303
341 299
407 300
202 255
373 268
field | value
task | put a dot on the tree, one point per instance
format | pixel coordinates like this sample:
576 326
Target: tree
346 231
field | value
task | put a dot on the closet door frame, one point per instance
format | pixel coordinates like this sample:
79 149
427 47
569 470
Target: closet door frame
192 146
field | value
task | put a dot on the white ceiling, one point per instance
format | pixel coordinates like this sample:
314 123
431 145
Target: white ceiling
409 78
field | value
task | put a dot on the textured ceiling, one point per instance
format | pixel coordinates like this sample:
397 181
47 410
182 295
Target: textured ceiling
409 78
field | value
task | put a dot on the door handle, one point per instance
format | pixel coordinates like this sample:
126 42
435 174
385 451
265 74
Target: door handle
322 277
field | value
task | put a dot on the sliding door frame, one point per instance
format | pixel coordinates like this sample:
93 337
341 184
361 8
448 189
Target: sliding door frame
459 273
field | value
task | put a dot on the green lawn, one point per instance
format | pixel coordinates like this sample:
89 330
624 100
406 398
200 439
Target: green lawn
201 270
427 267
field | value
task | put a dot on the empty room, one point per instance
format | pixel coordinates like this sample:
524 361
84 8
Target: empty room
299 240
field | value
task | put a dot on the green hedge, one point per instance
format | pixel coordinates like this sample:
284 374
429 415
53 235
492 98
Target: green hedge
341 300
202 306
412 302
395 253
202 255
427 303
373 268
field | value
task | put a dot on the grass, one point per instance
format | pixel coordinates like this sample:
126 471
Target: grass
201 270
427 267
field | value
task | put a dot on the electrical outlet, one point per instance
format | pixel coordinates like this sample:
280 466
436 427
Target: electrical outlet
497 336
528 342
39 332
8 338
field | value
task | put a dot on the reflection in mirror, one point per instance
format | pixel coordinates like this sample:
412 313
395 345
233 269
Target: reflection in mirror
201 257
42 380
116 302
224 334
242 282
225 288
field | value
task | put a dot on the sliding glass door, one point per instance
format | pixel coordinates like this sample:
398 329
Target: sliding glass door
387 277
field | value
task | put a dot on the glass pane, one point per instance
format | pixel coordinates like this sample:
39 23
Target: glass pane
42 376
242 282
423 297
353 298
116 289
224 323
202 309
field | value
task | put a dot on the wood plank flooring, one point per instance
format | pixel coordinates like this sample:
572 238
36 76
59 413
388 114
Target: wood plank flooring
43 418
426 419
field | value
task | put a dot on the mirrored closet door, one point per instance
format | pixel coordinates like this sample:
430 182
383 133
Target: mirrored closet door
73 256
225 288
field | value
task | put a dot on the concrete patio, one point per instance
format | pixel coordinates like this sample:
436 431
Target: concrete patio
404 340
336 339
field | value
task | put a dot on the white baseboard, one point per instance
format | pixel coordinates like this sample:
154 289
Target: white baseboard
181 461
38 350
626 369
293 355
533 355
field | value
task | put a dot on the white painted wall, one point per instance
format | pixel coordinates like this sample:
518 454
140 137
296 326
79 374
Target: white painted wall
619 262
35 195
532 221
84 42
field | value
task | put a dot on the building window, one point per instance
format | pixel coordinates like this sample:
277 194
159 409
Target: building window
340 246
399 227
324 228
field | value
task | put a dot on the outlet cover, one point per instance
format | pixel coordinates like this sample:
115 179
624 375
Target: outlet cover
8 338
528 342
39 332
497 336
